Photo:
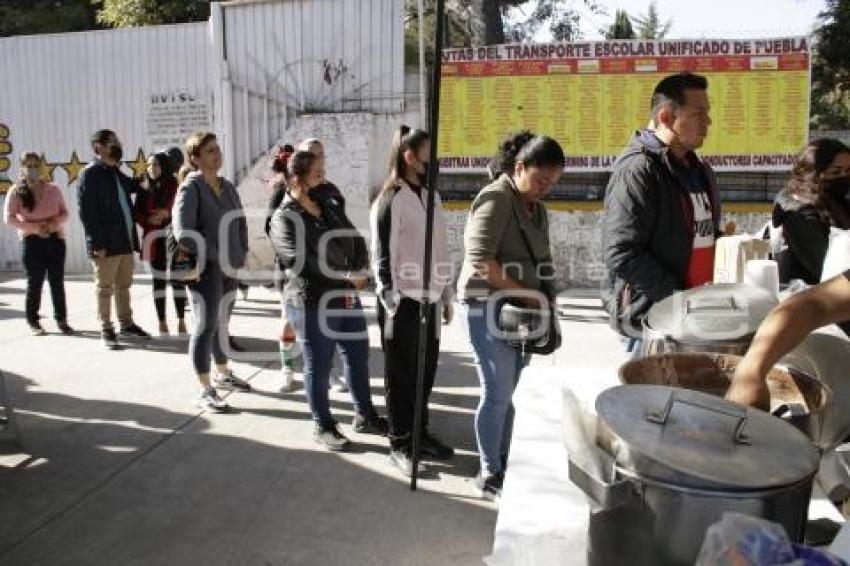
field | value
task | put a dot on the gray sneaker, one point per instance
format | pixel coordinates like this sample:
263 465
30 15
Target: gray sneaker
230 381
210 401
287 382
331 438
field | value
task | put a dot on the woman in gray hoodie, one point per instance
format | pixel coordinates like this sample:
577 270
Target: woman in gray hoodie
209 223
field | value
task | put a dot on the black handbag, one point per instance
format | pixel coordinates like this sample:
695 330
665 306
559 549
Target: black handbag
531 330
182 264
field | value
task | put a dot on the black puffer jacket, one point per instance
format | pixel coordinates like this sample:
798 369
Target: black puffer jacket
806 236
295 235
647 234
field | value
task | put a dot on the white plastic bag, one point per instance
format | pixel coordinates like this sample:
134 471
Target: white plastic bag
742 540
732 254
837 259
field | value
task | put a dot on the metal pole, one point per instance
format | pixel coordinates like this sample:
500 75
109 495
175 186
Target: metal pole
423 86
431 184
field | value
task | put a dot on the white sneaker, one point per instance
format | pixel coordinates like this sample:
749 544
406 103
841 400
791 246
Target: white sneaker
337 383
210 401
229 381
287 380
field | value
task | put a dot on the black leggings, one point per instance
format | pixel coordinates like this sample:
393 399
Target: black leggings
45 257
160 282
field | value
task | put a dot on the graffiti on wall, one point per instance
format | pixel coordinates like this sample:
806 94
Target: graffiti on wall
5 158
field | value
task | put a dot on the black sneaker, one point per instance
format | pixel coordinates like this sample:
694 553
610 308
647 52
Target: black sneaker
134 331
489 486
371 425
331 438
65 328
402 460
431 447
110 340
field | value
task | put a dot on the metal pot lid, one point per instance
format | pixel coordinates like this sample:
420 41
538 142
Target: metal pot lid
697 440
712 313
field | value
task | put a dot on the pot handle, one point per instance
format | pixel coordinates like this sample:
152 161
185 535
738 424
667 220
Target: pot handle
603 494
727 304
740 436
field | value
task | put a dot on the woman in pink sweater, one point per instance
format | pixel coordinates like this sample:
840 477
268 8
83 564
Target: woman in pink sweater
37 209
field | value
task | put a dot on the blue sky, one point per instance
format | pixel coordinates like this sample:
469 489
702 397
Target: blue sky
715 18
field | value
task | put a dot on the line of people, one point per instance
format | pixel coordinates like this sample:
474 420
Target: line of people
661 220
324 263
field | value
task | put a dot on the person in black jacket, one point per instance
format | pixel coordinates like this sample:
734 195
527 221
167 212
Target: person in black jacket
662 207
324 272
813 201
106 211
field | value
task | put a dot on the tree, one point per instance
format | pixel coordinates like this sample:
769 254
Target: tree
649 26
831 68
487 22
621 28
26 17
128 13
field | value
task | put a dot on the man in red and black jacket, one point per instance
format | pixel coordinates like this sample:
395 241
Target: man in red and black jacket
662 207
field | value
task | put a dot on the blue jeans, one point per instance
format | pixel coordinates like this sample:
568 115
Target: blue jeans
318 349
498 366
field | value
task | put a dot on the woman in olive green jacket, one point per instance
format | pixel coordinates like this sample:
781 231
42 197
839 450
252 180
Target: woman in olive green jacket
507 218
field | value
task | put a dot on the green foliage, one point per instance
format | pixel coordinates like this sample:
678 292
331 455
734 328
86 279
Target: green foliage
831 68
128 13
650 26
621 28
29 17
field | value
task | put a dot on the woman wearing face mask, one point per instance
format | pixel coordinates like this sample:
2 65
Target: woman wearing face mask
398 221
37 210
814 200
208 207
507 218
152 211
324 272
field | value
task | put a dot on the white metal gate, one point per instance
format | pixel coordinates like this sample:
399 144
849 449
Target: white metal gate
244 74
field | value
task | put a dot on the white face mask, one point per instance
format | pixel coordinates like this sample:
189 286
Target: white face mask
33 173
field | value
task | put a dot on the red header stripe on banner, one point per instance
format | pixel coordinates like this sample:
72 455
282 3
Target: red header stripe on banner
633 65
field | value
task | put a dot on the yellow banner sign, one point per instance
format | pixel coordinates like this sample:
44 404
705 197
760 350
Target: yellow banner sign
592 96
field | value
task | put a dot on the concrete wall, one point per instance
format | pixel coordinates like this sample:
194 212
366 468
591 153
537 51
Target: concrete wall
356 146
576 240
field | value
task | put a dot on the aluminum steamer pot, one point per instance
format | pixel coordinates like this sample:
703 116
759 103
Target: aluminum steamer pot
674 461
713 318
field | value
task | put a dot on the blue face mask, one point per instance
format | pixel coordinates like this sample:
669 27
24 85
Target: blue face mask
33 173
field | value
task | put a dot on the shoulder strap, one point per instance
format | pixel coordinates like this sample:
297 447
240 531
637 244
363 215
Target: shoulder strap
543 283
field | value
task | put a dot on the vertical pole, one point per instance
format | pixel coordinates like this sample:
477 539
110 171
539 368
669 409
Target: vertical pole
431 184
423 83
224 100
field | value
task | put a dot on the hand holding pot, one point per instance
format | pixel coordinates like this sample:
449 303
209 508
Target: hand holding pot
749 390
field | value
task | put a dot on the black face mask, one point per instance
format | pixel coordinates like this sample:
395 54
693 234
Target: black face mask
116 152
837 187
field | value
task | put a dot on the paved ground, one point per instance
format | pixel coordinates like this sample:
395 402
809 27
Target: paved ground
121 468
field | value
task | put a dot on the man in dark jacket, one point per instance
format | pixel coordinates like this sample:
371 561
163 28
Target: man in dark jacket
662 207
106 213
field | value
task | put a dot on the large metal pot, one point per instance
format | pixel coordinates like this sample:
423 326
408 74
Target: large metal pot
795 397
713 318
674 461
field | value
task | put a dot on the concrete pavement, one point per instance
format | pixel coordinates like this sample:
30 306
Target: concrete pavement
121 468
